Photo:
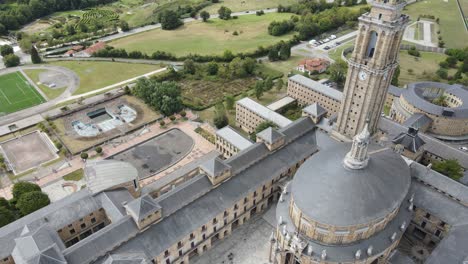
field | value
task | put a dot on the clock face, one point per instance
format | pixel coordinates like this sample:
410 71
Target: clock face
362 75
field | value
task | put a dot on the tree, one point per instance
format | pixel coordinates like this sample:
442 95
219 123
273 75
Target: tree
124 25
84 156
212 68
450 168
32 201
262 126
268 84
442 73
162 96
11 60
224 13
279 84
4 203
220 121
35 58
21 188
169 20
204 15
5 50
259 89
98 150
189 66
396 75
70 29
284 51
363 2
6 216
452 61
273 53
338 71
230 101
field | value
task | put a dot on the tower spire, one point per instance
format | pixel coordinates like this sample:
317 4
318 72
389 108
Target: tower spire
357 157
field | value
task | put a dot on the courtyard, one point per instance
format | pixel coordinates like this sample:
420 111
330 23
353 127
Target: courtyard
157 153
28 151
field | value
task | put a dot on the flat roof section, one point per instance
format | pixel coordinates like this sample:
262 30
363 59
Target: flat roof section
234 138
275 106
264 112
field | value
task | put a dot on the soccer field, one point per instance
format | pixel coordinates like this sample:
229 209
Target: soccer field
16 93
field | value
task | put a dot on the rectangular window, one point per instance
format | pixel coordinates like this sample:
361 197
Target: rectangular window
166 253
72 231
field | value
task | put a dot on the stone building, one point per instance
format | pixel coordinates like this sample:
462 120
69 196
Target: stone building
447 119
307 91
344 208
313 65
229 142
250 114
371 67
168 221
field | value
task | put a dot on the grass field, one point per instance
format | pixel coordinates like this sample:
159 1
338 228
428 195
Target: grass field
428 63
98 74
50 93
16 93
207 38
451 23
237 5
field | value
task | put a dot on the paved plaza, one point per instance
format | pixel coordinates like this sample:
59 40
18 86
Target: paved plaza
249 244
157 153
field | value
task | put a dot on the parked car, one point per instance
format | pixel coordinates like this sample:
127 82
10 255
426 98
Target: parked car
326 48
326 40
464 148
313 41
320 42
338 43
332 37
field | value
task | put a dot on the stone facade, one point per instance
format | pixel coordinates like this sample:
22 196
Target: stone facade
305 95
371 67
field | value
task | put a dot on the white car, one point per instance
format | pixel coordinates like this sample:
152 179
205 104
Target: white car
332 37
464 148
313 41
326 40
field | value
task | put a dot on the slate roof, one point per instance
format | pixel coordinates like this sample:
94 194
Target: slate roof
181 223
214 167
233 137
270 135
277 105
327 192
264 112
410 140
415 93
103 174
318 87
315 110
141 207
126 259
418 120
432 145
395 91
452 249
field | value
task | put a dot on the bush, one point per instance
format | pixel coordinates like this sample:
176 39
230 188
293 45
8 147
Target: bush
21 188
414 52
58 145
221 121
235 33
6 50
172 118
11 60
84 155
259 13
32 201
6 216
98 150
442 73
224 13
183 114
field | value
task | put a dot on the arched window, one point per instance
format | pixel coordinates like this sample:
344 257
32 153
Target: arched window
371 46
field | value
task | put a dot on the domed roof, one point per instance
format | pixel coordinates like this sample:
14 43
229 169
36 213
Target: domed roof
327 192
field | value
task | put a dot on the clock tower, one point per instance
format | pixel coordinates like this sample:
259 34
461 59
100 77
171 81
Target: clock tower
371 67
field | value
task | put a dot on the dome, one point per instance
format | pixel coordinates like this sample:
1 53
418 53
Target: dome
327 192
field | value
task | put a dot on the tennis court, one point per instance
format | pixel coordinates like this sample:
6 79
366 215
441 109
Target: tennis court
16 93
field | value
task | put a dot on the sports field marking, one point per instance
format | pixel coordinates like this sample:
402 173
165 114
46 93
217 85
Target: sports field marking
4 95
31 86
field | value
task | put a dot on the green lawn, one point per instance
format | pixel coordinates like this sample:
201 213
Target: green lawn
74 176
238 5
428 63
207 38
335 54
98 74
451 24
49 92
16 93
